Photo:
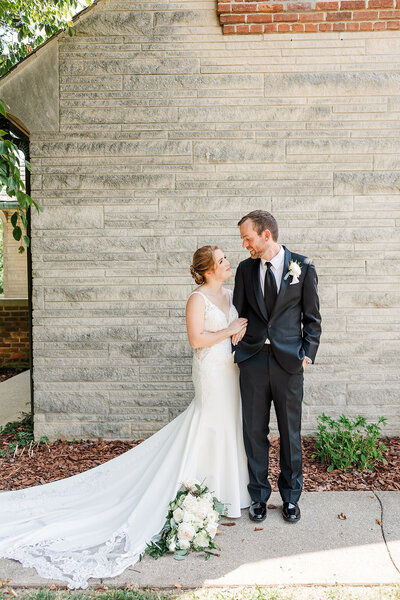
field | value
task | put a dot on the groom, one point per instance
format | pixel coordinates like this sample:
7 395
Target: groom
276 290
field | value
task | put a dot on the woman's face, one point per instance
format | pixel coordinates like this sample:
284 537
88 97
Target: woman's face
222 269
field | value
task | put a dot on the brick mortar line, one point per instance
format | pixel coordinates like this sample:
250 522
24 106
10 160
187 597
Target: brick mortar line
318 13
295 6
273 12
329 27
323 15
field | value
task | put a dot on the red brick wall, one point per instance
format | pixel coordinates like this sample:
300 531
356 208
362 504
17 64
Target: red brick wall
14 335
247 16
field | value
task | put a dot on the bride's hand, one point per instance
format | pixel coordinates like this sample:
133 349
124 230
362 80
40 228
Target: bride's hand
238 336
237 326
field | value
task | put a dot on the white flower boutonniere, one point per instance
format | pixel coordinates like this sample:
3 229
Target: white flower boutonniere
294 271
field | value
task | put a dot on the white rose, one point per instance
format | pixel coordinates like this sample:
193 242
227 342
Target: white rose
295 269
190 484
201 540
178 515
211 529
198 524
186 531
172 545
193 519
190 503
203 508
188 517
184 544
213 517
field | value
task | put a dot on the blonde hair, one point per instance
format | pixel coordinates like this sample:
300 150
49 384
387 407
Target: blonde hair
203 261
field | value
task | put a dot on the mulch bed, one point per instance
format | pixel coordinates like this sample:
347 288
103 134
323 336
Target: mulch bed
7 373
386 477
62 458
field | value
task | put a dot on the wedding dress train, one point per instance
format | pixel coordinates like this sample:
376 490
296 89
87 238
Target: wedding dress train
97 523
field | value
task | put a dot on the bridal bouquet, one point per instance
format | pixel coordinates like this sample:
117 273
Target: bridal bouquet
191 523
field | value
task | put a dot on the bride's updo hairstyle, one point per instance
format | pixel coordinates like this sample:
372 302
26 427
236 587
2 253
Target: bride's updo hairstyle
203 261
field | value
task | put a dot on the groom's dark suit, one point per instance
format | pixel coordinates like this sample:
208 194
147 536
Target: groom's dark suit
274 372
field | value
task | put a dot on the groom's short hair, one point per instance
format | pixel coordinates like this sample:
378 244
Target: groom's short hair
262 220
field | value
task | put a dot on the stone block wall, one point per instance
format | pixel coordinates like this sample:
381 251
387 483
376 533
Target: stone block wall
14 333
168 133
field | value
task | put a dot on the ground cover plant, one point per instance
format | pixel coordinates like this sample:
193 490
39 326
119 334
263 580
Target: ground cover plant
347 443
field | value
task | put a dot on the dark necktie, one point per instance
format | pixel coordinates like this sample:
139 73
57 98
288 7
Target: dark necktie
270 291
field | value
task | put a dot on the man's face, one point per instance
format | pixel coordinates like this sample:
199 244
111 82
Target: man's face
253 242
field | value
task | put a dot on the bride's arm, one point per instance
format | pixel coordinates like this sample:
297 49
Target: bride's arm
198 338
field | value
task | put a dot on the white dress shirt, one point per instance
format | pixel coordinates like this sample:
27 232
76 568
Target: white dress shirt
277 269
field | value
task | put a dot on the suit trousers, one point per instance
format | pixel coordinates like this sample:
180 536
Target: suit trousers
262 380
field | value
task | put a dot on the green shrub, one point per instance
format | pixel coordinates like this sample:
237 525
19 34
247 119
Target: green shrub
23 438
347 443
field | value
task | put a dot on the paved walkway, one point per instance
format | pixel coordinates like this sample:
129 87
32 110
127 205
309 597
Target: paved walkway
320 549
14 397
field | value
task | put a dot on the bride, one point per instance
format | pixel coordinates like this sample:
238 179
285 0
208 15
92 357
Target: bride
97 523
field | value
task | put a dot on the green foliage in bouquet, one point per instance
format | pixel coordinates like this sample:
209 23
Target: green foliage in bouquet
349 443
191 523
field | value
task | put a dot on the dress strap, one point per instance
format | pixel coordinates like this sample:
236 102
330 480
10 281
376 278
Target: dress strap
201 294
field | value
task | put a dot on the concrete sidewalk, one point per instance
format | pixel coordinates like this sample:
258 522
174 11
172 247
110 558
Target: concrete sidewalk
320 549
15 397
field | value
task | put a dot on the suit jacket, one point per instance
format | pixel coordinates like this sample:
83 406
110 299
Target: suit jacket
294 325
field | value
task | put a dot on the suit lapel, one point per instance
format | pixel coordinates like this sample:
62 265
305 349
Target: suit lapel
284 282
257 288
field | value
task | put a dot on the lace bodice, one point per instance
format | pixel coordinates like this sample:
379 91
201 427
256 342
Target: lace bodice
215 320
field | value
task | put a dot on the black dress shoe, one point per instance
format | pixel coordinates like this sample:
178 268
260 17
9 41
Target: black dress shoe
258 511
291 515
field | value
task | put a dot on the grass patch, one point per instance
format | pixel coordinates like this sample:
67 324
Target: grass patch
384 592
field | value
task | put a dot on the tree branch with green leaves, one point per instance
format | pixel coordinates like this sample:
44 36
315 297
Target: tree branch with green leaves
10 178
26 24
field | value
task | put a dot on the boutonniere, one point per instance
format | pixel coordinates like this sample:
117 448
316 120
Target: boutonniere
294 271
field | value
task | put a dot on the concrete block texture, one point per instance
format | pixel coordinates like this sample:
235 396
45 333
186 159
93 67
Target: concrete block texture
160 134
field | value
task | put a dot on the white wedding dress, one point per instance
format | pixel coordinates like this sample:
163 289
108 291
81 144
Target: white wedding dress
97 523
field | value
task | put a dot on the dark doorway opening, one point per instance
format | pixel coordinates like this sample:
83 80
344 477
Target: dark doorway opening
16 297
